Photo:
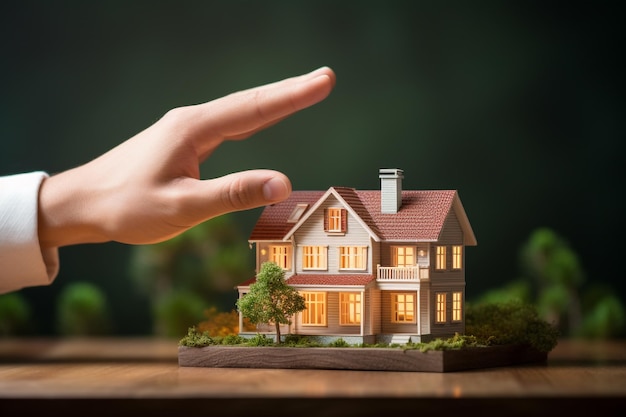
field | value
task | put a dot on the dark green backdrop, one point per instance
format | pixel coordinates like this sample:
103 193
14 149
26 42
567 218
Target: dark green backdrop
519 105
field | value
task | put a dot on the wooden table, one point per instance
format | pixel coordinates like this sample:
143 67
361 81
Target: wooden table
93 377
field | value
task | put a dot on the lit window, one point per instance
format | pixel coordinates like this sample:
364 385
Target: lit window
335 220
457 259
441 258
457 305
404 256
352 257
281 256
315 312
350 305
314 257
441 307
403 308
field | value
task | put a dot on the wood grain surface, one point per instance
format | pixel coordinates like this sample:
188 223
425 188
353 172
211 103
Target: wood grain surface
93 377
360 359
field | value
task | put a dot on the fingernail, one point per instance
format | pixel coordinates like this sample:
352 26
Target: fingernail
275 190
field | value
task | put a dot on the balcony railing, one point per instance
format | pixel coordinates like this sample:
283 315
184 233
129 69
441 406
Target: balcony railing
401 273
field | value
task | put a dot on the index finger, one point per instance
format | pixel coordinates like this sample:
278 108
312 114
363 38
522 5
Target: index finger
240 114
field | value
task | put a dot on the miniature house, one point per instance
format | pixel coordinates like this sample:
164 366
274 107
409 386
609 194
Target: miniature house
383 265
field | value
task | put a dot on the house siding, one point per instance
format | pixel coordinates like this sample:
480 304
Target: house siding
375 310
311 233
447 281
387 325
449 328
333 325
386 250
424 306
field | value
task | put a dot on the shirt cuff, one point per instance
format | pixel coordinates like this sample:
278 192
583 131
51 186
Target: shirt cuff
23 263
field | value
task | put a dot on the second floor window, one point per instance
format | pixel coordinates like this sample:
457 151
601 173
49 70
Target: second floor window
281 255
440 259
314 257
457 257
352 257
403 256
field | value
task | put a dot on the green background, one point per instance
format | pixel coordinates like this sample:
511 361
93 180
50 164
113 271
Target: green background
519 105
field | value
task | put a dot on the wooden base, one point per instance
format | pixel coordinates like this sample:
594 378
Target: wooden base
359 359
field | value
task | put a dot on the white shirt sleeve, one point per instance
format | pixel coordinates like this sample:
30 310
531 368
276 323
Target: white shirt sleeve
23 263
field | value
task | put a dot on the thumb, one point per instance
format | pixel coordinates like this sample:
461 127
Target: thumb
235 192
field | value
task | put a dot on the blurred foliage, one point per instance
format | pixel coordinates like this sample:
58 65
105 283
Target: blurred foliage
15 315
223 324
82 310
510 322
174 311
197 269
554 281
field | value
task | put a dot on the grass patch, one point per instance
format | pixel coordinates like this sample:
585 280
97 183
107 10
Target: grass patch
486 325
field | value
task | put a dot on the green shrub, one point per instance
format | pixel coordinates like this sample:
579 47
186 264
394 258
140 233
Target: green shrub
260 340
15 315
196 339
233 339
339 343
296 340
82 310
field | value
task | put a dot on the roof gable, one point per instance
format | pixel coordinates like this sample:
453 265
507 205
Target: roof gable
349 199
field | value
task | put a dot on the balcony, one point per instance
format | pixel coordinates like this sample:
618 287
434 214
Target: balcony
401 273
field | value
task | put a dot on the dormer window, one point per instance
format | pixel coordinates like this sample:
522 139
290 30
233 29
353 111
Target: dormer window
297 212
335 220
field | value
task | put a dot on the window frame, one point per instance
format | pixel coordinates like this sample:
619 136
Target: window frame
349 307
354 255
395 310
307 314
440 307
321 257
457 257
395 256
457 306
287 255
440 258
335 220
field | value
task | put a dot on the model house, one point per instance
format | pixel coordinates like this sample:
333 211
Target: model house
385 265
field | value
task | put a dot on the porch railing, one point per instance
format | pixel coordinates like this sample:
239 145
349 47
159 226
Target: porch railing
401 273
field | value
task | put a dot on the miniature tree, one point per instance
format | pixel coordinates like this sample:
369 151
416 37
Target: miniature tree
271 299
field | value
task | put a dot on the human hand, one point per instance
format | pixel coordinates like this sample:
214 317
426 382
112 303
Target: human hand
148 188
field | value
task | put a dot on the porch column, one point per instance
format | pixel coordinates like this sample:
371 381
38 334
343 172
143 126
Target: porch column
240 319
419 315
362 311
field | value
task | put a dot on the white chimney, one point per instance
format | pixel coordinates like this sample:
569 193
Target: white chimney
390 189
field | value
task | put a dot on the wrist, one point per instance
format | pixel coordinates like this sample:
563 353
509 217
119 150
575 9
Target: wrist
66 212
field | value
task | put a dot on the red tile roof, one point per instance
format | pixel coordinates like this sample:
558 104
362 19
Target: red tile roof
328 279
322 279
272 224
421 216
